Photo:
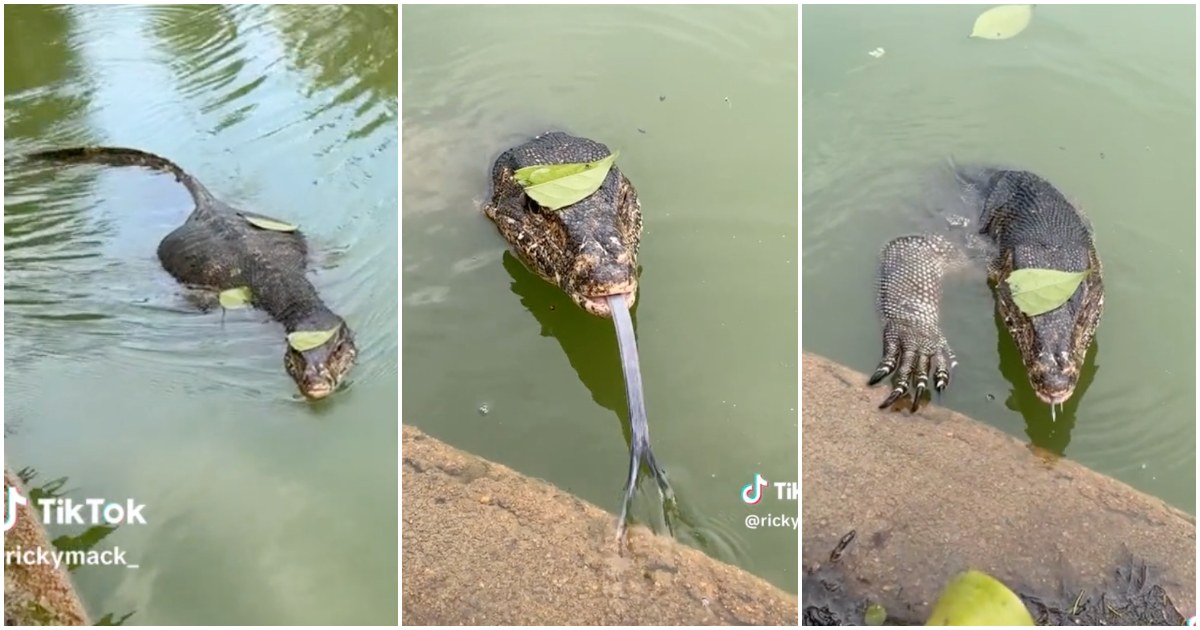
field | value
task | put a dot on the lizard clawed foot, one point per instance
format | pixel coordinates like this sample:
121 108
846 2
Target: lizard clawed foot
913 361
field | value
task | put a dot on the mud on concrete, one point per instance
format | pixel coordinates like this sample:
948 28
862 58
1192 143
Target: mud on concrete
485 545
932 494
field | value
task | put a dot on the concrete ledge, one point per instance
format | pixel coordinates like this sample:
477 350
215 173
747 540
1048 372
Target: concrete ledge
484 545
932 494
35 594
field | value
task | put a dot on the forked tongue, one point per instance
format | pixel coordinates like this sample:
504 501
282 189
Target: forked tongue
639 449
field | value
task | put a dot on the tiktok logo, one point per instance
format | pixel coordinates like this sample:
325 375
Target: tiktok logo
752 493
13 499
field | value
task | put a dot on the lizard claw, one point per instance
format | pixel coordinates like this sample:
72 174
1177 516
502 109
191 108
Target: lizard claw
881 372
914 360
943 363
900 390
888 364
915 351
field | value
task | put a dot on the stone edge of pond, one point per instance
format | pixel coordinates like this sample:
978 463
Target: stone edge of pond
486 545
36 594
935 493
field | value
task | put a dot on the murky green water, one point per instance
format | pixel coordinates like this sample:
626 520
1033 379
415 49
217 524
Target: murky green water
1099 100
260 509
714 163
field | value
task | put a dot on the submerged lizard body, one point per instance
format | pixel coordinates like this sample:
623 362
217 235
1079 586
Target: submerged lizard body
1025 223
219 248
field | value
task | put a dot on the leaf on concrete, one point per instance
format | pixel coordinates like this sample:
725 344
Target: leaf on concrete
875 615
977 599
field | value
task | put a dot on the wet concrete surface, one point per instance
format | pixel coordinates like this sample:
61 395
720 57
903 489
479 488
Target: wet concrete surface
35 594
485 545
926 497
936 493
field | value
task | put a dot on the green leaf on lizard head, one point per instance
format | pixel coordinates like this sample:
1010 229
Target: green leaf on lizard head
268 224
973 598
556 186
305 340
235 298
537 175
1037 291
1002 22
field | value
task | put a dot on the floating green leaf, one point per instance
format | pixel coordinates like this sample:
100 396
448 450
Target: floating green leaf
1002 22
556 186
305 340
267 223
977 599
875 615
1038 291
235 298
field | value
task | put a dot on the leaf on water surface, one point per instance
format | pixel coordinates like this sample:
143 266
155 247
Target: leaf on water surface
266 223
556 186
1038 291
1002 22
305 340
234 298
977 599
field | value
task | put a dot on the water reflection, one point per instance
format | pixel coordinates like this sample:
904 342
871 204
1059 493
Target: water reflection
1044 433
590 345
285 110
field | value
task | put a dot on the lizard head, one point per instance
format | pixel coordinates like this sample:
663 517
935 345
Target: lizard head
589 249
600 266
319 354
1054 344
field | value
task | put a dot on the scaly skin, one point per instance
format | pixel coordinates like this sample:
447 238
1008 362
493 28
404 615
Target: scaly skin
217 249
1027 224
588 249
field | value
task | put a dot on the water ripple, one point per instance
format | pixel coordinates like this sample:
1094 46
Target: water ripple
1099 118
65 240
